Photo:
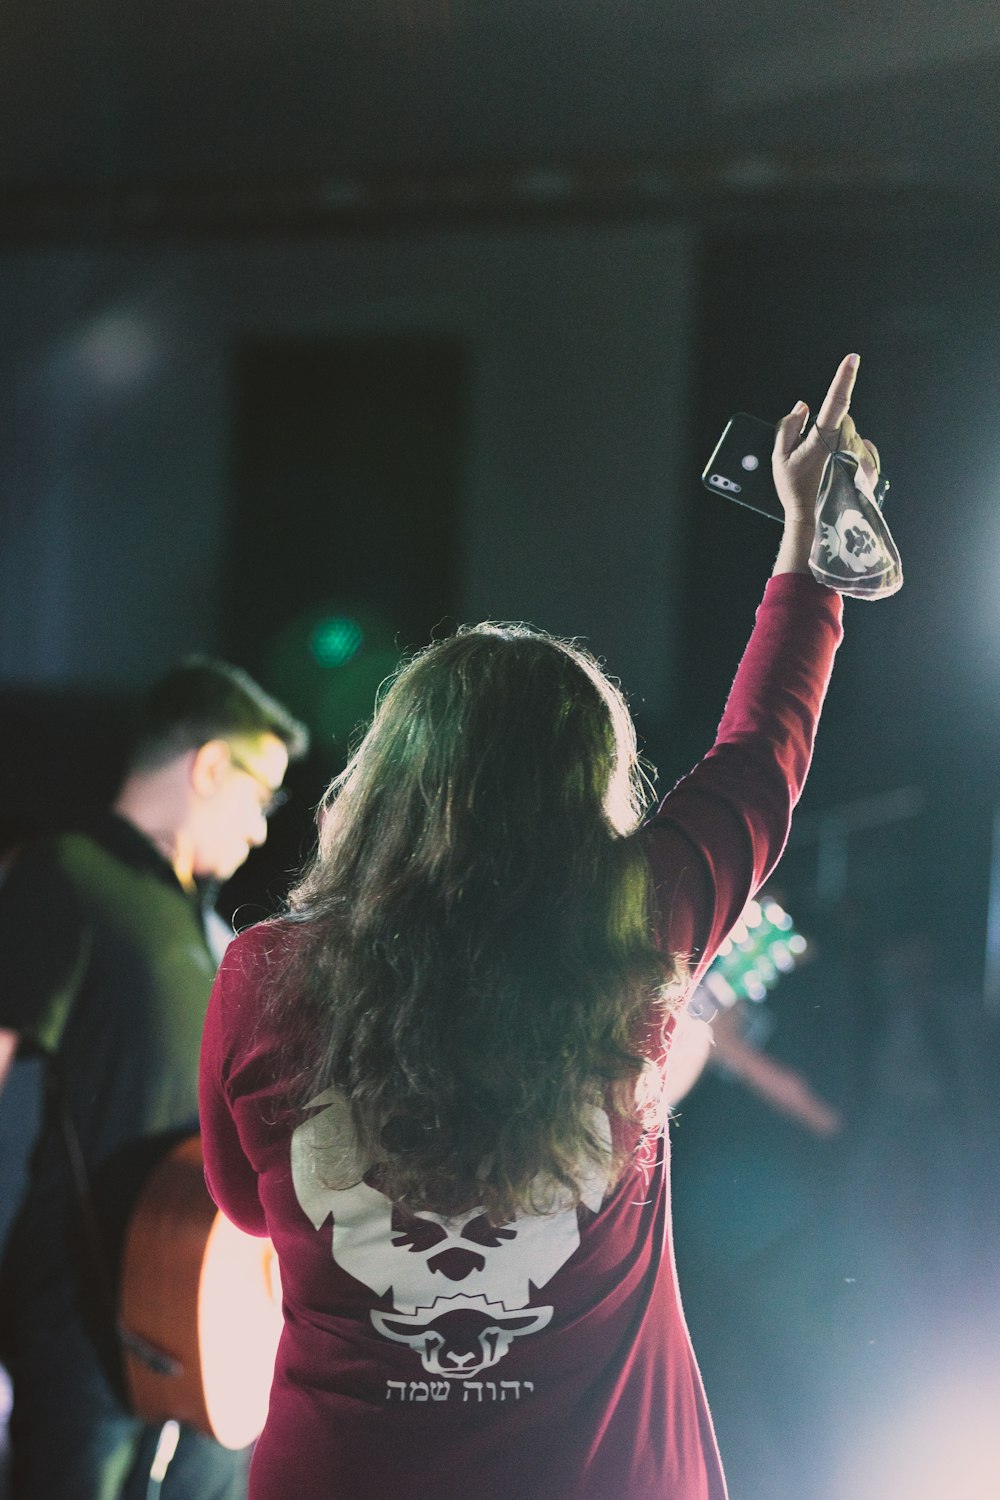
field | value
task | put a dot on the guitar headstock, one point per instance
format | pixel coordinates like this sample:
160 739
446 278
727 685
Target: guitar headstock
763 946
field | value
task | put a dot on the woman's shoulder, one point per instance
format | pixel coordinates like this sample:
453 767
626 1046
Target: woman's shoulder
259 948
248 980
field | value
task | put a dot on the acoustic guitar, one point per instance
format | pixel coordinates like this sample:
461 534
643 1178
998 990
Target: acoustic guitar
199 1307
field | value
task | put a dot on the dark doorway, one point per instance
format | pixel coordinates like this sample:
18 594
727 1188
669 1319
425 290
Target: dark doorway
346 476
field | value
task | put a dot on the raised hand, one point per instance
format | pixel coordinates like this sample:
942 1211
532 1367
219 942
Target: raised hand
799 456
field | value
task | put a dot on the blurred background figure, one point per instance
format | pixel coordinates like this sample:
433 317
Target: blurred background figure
106 963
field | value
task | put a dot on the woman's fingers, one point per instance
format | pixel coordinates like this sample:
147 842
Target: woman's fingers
790 428
799 457
837 401
833 426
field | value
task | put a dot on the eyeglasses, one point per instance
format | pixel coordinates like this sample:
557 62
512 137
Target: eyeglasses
276 796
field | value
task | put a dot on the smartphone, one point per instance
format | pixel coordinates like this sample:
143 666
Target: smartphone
740 466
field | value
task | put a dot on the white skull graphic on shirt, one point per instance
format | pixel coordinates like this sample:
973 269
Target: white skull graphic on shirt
461 1288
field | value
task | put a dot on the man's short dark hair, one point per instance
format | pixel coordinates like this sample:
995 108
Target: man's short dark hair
204 699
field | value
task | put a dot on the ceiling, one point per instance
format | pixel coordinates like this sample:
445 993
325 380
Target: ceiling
128 118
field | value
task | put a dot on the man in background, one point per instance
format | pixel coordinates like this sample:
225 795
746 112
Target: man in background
105 969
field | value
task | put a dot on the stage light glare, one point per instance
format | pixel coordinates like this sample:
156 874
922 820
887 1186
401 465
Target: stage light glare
944 1442
777 915
766 970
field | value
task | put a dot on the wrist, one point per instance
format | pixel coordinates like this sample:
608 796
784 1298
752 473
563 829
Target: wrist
796 545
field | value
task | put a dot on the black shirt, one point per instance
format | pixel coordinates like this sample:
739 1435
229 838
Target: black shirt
105 968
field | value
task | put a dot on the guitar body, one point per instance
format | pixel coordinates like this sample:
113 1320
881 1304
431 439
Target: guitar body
204 1295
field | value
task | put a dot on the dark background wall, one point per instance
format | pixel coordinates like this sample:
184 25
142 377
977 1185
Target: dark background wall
206 444
625 223
172 482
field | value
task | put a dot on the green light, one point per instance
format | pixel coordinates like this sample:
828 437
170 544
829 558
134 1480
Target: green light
327 664
336 640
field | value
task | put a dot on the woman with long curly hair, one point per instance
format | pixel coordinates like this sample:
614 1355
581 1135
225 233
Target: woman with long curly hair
437 1081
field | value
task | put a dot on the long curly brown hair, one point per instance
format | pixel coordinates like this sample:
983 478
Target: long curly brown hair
471 961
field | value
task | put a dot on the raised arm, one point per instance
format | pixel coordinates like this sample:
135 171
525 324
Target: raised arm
718 835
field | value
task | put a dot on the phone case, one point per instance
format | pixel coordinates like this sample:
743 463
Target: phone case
740 466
